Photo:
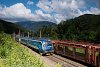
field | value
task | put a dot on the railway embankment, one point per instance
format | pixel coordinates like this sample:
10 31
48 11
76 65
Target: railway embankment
13 54
54 60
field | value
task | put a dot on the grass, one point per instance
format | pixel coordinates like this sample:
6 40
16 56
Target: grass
12 54
58 65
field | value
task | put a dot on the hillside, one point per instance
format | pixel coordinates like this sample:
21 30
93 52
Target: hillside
82 28
35 25
8 27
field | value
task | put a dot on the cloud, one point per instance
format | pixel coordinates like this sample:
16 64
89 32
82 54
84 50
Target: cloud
39 12
18 12
66 9
63 9
48 10
92 10
98 3
43 16
60 5
59 17
30 2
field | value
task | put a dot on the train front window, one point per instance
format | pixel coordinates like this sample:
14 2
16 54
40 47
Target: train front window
48 43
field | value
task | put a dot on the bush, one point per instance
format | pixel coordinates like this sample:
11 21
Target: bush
12 54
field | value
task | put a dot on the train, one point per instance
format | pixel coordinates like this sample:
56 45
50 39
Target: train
43 45
88 55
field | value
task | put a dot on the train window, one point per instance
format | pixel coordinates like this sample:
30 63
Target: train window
49 42
37 43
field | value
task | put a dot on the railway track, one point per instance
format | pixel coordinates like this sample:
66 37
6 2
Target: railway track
64 62
61 60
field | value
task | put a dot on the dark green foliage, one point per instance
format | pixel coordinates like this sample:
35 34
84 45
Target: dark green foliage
13 54
97 37
3 48
47 31
83 28
8 27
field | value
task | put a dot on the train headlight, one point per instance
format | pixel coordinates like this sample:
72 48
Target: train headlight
44 47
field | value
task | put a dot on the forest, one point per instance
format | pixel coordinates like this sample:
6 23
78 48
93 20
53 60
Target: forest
10 28
82 28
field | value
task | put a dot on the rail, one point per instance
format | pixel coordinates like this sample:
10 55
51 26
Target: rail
64 62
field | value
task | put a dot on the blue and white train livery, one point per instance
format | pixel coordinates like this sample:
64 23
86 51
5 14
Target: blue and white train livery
44 46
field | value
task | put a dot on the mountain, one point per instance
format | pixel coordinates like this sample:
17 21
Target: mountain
85 28
35 25
8 27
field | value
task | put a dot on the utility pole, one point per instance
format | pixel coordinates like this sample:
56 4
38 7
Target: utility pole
40 33
23 35
14 35
28 34
19 33
19 36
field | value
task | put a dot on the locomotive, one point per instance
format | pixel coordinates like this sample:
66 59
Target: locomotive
43 45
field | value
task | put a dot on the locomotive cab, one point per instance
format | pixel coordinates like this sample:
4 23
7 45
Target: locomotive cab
47 46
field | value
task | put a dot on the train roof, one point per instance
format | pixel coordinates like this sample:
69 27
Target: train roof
44 39
39 39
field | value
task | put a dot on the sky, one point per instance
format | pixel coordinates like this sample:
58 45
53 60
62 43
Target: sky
46 10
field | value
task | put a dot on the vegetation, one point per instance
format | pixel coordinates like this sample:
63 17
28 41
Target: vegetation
12 54
47 32
35 25
82 28
8 27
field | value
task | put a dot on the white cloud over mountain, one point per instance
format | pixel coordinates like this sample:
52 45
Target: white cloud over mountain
19 12
92 10
66 9
49 10
16 12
